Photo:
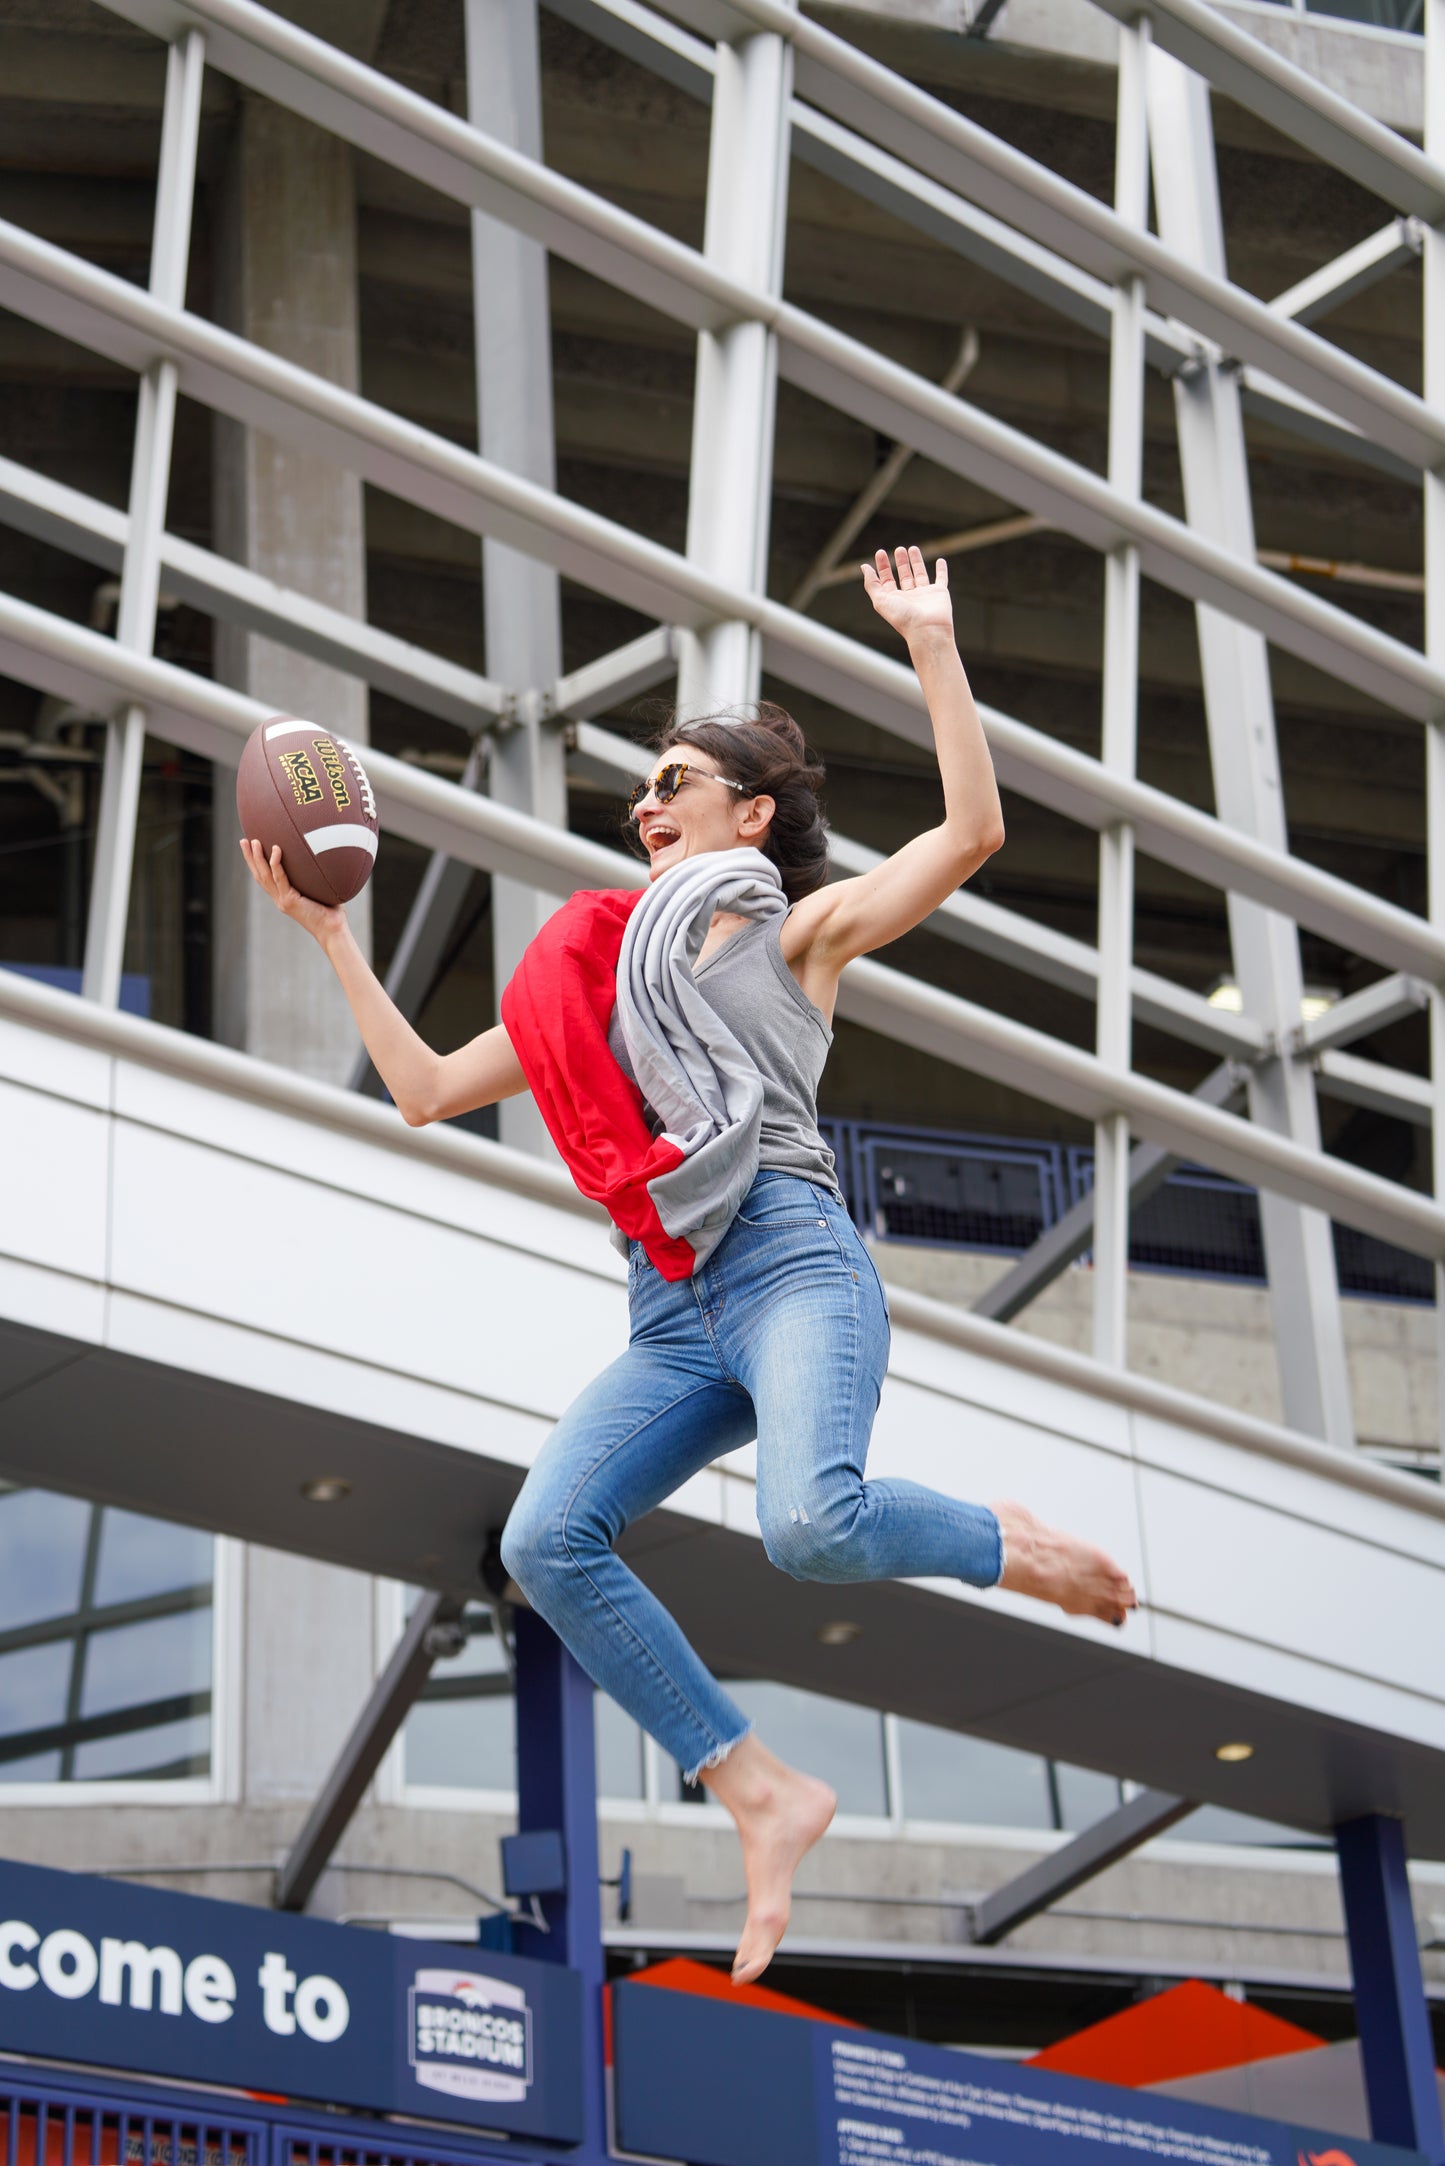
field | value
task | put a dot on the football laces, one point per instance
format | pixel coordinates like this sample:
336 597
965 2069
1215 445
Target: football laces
363 783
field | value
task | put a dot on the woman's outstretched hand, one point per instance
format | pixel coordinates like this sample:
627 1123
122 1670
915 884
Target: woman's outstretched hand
910 601
321 920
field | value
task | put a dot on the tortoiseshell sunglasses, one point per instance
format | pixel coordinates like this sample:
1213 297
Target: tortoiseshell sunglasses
668 780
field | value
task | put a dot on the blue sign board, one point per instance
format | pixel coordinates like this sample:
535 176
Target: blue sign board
132 1978
724 2086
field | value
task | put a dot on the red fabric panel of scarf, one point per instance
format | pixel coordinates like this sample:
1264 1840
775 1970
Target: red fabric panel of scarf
556 1012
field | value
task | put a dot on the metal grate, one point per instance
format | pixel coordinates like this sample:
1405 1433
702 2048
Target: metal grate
306 2147
999 1194
53 2128
967 1191
65 2123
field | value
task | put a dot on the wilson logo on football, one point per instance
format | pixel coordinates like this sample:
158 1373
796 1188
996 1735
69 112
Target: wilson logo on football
471 2036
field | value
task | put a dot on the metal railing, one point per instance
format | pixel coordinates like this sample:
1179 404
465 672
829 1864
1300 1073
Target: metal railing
65 2119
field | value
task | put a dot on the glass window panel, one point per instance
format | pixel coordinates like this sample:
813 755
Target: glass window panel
462 1744
42 1555
135 1663
619 1751
40 1767
832 1738
1084 1796
34 1682
173 1749
949 1777
147 1556
1216 1824
483 1655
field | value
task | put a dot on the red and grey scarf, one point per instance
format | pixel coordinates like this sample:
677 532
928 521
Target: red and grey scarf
674 1182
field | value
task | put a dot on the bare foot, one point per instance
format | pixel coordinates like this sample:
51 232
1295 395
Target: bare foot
1058 1567
780 1815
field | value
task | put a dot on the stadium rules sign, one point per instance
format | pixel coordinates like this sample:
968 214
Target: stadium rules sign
134 1978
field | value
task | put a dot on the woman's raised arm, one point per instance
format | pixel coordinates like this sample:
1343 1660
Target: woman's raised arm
850 917
425 1086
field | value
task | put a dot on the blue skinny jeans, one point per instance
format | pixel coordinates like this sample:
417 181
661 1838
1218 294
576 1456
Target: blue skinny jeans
783 1335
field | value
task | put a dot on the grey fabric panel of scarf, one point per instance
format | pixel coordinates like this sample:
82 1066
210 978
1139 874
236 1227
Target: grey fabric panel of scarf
689 1067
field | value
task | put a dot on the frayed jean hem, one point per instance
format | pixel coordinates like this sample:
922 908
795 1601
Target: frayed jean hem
715 1758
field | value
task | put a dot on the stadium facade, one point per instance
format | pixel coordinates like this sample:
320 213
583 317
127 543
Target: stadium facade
467 374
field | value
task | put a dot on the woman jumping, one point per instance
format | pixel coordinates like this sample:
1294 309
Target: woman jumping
674 1042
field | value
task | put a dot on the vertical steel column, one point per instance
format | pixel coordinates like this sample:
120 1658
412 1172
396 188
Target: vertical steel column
521 604
1114 1021
1239 708
557 1788
150 476
1433 260
730 485
1390 2005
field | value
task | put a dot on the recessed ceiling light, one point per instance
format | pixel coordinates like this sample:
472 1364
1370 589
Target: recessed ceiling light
839 1634
1237 1750
326 1489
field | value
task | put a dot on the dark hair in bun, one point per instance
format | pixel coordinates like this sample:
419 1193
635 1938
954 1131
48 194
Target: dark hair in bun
762 747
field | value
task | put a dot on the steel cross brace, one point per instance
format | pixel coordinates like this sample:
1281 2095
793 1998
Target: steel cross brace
392 1698
993 1917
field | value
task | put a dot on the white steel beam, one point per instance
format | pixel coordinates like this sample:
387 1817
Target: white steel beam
521 595
108 315
1114 1022
418 953
71 662
735 402
613 678
1370 1083
881 690
803 653
1239 713
1066 1240
939 1023
1358 1015
111 316
1354 272
823 571
946 217
871 98
1265 83
1434 510
150 481
406 130
1004 935
233 594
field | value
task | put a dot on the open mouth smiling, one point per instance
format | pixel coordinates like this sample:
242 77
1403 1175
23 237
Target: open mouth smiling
658 835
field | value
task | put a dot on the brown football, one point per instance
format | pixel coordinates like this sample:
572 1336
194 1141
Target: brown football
304 787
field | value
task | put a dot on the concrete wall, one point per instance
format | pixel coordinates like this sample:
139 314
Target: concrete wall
1217 1339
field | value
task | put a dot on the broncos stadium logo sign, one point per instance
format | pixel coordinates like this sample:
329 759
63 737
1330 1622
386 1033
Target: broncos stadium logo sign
471 2036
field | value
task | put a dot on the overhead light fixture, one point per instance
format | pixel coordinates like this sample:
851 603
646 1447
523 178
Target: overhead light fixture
839 1634
326 1489
1236 1750
1315 1000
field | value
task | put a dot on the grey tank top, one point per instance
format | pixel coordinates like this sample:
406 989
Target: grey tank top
750 987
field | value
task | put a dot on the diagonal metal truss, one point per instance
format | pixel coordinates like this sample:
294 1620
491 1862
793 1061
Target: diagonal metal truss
780 84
